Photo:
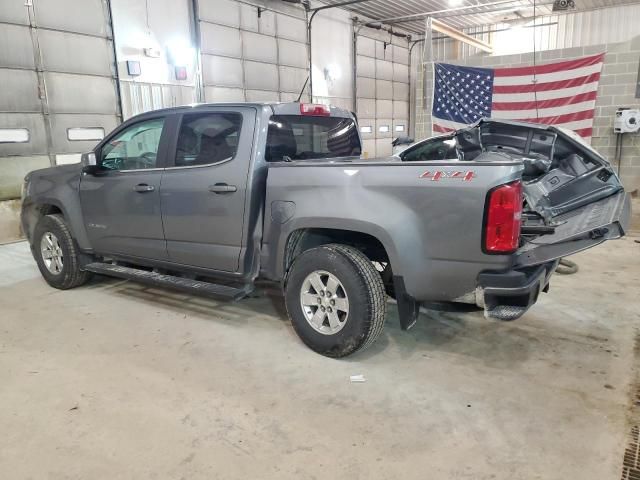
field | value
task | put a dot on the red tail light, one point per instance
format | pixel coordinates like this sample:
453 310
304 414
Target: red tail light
502 218
315 109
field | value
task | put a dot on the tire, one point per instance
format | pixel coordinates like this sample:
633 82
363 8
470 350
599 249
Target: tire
359 283
69 274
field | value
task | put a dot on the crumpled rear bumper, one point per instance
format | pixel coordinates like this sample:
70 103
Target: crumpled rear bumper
508 295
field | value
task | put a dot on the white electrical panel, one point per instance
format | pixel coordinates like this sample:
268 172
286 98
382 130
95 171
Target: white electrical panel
627 120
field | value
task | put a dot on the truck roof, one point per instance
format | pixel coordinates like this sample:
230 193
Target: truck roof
278 108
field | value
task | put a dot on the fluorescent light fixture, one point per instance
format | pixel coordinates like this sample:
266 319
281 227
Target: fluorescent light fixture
399 128
366 129
14 135
383 129
85 133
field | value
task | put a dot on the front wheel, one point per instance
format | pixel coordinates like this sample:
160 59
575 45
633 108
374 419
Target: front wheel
56 253
335 299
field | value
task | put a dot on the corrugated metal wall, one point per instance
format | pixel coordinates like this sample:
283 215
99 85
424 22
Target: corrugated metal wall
159 25
57 82
574 29
251 54
382 90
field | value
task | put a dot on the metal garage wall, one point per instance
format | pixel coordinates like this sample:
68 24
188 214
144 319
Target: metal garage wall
57 81
251 53
332 55
161 26
382 89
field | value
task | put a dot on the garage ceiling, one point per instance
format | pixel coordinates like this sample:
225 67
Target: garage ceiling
483 12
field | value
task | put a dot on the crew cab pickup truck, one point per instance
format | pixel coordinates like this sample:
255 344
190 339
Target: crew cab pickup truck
210 198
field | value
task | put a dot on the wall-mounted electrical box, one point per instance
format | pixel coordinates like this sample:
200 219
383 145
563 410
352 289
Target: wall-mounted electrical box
626 120
133 68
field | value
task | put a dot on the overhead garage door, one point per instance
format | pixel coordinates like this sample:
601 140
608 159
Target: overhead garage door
382 90
58 94
251 54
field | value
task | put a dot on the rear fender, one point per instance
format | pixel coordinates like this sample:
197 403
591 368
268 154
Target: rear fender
356 226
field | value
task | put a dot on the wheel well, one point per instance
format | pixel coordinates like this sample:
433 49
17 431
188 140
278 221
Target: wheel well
33 214
49 210
307 238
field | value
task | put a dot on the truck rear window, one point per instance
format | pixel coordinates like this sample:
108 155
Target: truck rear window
295 137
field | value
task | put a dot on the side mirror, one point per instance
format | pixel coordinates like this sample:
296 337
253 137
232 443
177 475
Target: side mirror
402 141
88 159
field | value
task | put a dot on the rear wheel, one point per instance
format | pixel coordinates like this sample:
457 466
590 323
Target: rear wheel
335 299
56 253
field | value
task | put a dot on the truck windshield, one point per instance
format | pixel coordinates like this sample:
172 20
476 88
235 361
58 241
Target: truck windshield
296 137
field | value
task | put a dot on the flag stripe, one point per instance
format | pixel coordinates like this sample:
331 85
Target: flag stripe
440 129
548 77
550 67
545 95
544 112
540 104
556 119
585 132
543 87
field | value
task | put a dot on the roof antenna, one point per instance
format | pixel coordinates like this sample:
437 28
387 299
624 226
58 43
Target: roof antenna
303 87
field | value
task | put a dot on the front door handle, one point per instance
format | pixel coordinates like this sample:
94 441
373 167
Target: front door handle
143 187
223 188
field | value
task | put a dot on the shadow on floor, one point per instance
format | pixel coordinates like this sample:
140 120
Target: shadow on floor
466 334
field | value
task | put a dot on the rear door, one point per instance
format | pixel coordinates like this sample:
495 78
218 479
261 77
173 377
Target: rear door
204 188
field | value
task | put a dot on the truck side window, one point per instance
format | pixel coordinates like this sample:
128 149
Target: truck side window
134 148
303 138
437 149
207 138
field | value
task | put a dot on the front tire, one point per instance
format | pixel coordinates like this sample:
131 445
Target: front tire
335 299
56 253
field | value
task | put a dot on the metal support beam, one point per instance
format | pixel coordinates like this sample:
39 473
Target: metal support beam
341 4
419 16
445 29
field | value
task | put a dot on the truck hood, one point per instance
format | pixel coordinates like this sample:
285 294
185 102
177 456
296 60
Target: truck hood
56 171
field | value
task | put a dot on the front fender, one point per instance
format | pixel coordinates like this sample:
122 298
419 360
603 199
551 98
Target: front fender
55 187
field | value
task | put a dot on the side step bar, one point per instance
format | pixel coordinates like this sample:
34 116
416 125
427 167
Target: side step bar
160 280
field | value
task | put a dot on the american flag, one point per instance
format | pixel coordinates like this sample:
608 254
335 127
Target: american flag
561 94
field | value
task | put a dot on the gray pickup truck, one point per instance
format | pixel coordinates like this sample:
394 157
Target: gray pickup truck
210 198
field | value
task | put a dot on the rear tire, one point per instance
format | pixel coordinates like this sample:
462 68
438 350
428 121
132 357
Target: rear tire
335 299
56 253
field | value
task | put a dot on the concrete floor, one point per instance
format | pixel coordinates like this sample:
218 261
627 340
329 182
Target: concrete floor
118 381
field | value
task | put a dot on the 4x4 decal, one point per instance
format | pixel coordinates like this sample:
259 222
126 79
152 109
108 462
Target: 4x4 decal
438 175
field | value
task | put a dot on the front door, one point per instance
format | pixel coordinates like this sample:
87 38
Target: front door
203 193
121 202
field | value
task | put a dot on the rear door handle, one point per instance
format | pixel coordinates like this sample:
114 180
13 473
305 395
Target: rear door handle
222 188
143 187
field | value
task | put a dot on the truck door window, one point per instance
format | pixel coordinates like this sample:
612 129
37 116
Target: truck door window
307 137
207 138
134 148
436 149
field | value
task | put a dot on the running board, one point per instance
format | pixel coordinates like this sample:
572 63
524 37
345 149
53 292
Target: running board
160 280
